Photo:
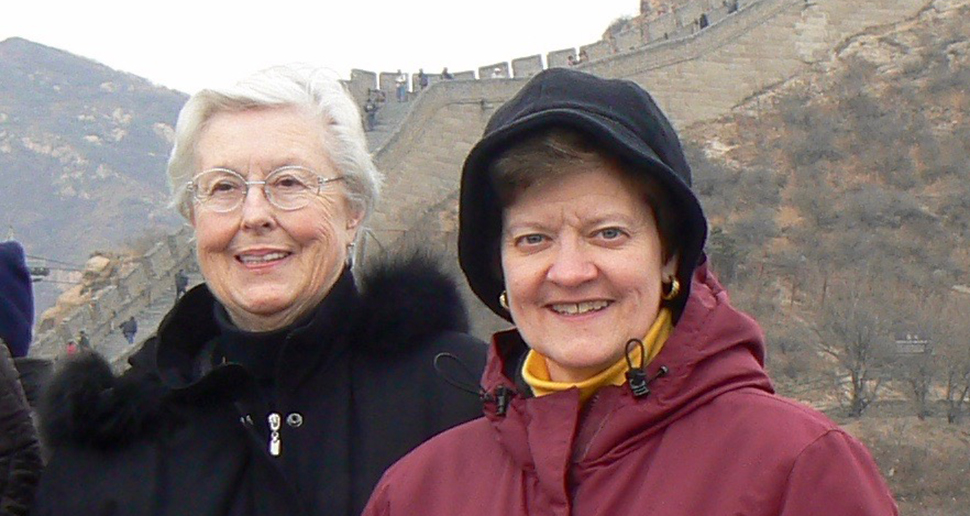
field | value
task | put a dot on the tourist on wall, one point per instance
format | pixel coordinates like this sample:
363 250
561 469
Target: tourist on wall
370 113
401 81
181 283
83 341
445 74
285 384
20 455
375 100
423 79
129 328
629 385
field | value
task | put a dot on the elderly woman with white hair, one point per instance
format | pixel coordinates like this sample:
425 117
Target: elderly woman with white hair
277 387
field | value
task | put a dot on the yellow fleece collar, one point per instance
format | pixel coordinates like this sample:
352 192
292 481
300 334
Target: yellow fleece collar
536 372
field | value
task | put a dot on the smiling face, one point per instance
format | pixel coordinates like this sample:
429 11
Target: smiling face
583 268
269 267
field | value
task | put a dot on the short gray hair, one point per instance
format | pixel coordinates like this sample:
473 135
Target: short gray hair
300 86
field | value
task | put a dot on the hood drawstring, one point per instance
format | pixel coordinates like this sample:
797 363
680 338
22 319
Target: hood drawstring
501 395
636 377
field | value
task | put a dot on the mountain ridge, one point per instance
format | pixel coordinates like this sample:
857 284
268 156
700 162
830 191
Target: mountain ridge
79 142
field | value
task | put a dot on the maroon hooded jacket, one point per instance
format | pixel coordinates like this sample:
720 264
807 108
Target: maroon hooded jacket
711 438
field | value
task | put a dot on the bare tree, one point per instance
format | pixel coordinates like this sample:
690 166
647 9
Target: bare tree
853 332
955 365
920 324
918 373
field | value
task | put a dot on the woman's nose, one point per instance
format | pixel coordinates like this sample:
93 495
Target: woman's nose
257 212
572 264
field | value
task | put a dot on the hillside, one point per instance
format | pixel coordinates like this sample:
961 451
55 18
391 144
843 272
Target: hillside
79 142
852 173
840 210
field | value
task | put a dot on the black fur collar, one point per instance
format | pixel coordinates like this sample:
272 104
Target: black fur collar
404 301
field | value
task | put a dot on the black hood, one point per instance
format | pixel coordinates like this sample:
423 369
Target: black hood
620 117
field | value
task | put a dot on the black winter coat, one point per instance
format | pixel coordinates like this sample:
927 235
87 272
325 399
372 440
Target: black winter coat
20 459
183 433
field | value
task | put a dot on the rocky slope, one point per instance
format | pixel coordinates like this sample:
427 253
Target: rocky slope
82 154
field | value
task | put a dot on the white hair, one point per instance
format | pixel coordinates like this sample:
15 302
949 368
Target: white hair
299 86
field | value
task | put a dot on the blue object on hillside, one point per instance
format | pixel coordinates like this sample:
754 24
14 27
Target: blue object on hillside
16 299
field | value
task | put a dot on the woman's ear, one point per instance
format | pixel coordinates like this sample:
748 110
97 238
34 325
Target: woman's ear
354 219
669 269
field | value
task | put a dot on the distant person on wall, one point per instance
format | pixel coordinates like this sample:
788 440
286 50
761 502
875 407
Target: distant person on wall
402 86
497 73
629 385
423 79
370 112
129 328
181 283
288 381
20 455
83 342
445 74
71 348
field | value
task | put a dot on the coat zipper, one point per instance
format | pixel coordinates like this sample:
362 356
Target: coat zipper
274 433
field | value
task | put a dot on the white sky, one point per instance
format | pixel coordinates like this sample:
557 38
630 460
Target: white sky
191 44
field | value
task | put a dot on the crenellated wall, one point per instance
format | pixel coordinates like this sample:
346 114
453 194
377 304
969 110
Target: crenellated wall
696 78
721 51
683 21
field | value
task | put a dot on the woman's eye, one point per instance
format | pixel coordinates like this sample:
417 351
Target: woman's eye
611 233
223 187
531 239
288 183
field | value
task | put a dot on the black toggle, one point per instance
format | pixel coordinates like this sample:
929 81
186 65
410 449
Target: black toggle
636 377
501 395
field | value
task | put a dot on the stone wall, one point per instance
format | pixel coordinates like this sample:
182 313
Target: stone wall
128 294
704 75
799 31
694 79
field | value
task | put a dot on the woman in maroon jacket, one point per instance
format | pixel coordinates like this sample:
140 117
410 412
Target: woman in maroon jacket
629 385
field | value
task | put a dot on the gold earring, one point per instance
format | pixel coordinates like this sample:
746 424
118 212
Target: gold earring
503 299
672 290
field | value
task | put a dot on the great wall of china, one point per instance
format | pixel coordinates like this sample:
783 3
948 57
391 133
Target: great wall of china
697 68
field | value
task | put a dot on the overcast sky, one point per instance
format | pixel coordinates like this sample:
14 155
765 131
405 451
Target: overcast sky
191 44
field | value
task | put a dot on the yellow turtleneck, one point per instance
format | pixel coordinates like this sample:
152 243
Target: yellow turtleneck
536 372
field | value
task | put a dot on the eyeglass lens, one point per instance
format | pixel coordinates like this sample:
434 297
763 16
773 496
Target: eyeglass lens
287 188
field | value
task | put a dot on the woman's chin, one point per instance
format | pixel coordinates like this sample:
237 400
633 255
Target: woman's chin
263 314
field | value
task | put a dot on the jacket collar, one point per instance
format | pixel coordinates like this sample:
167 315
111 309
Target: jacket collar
187 355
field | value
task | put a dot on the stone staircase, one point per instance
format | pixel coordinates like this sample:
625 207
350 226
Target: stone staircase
389 118
115 347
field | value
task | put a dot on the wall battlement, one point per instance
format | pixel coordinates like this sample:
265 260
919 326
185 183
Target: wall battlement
683 21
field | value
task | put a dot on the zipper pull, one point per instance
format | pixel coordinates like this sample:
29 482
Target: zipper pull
274 434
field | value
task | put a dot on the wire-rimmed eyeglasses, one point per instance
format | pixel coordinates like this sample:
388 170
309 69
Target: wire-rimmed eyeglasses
288 188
